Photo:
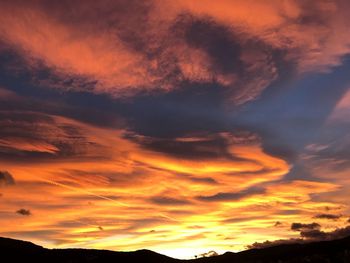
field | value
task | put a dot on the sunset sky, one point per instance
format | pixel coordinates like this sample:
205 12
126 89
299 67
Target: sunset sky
180 126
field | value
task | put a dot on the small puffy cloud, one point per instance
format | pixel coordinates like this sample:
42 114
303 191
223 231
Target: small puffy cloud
24 212
300 226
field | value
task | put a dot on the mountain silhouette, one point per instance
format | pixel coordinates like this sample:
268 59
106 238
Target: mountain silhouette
317 252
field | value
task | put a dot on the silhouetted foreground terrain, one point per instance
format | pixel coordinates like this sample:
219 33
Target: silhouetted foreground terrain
326 251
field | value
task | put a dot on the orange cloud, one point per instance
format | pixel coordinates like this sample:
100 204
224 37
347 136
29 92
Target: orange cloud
96 187
60 46
84 51
115 192
160 46
313 34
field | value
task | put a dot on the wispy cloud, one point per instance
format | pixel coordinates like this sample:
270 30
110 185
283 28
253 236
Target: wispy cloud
149 49
167 124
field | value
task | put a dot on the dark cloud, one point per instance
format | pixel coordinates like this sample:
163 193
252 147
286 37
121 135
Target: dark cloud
306 237
232 196
215 40
6 179
24 212
250 64
192 110
267 243
30 136
328 216
339 233
321 235
313 234
203 146
300 226
23 96
161 200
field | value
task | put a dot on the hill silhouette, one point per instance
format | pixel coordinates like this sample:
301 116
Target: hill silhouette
324 251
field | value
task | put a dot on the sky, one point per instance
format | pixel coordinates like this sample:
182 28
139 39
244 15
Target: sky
180 126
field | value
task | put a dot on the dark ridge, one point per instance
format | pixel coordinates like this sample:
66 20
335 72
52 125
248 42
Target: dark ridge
22 251
317 252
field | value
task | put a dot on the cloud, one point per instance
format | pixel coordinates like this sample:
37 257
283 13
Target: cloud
169 201
313 234
300 226
307 236
96 168
140 47
6 179
321 235
207 146
37 136
179 154
76 56
232 196
309 33
328 216
246 66
23 212
118 55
